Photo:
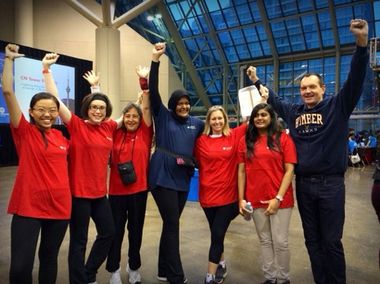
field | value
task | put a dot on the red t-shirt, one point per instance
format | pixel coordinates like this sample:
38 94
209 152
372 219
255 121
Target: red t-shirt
41 188
218 167
138 142
90 148
265 170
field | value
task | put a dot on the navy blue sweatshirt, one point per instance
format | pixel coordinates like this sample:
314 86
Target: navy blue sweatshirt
173 134
320 133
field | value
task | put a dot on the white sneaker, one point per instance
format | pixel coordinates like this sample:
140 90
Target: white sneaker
134 276
115 277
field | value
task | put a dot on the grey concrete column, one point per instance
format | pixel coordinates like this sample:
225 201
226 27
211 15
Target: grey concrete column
108 62
24 22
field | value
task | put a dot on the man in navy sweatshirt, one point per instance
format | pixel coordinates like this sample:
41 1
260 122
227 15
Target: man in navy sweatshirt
319 128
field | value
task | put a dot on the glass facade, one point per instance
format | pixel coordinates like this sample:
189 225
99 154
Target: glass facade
297 36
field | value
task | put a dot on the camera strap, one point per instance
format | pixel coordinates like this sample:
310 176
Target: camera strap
123 144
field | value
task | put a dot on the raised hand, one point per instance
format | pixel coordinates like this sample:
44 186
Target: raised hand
251 73
359 29
49 59
158 50
264 92
142 71
92 78
11 51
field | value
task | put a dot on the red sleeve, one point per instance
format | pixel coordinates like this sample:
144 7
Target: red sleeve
242 149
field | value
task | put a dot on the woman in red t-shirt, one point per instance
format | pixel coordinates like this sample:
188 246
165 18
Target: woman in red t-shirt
41 198
132 142
266 168
91 141
215 151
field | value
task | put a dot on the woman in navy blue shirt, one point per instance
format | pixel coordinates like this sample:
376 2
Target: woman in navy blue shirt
169 172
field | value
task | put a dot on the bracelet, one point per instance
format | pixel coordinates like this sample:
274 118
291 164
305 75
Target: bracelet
279 198
10 58
45 71
144 83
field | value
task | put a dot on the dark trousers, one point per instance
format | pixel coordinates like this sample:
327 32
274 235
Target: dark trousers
219 218
100 211
321 205
24 237
375 196
125 208
170 204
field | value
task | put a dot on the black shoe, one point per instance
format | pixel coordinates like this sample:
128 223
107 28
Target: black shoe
269 282
221 273
165 279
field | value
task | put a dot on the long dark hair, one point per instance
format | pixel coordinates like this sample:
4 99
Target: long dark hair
273 133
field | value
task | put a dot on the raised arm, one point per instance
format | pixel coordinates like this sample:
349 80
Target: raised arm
155 98
93 79
280 106
143 73
353 86
48 60
11 52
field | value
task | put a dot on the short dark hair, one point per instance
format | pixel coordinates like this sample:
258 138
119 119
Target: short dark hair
320 79
41 96
95 96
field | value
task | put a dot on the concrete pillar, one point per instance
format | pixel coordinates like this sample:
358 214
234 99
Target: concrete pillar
108 62
23 11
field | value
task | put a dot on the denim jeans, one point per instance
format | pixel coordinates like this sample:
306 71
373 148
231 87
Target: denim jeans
321 201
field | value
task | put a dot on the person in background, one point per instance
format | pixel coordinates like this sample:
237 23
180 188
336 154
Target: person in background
132 142
41 198
266 168
90 147
319 128
352 145
171 167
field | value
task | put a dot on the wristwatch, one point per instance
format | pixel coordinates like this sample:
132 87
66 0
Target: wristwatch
279 198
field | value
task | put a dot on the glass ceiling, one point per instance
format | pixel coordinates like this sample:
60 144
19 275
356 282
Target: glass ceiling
223 36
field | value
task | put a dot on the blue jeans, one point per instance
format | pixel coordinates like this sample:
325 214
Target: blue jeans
321 201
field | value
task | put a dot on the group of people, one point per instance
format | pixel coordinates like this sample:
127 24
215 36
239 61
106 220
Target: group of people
63 183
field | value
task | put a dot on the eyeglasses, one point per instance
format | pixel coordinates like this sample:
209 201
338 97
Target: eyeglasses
42 110
95 108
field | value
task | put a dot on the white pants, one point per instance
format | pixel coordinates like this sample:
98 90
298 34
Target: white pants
273 234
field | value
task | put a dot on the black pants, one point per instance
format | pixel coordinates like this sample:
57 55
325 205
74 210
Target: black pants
219 218
375 196
129 208
99 210
170 203
24 237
